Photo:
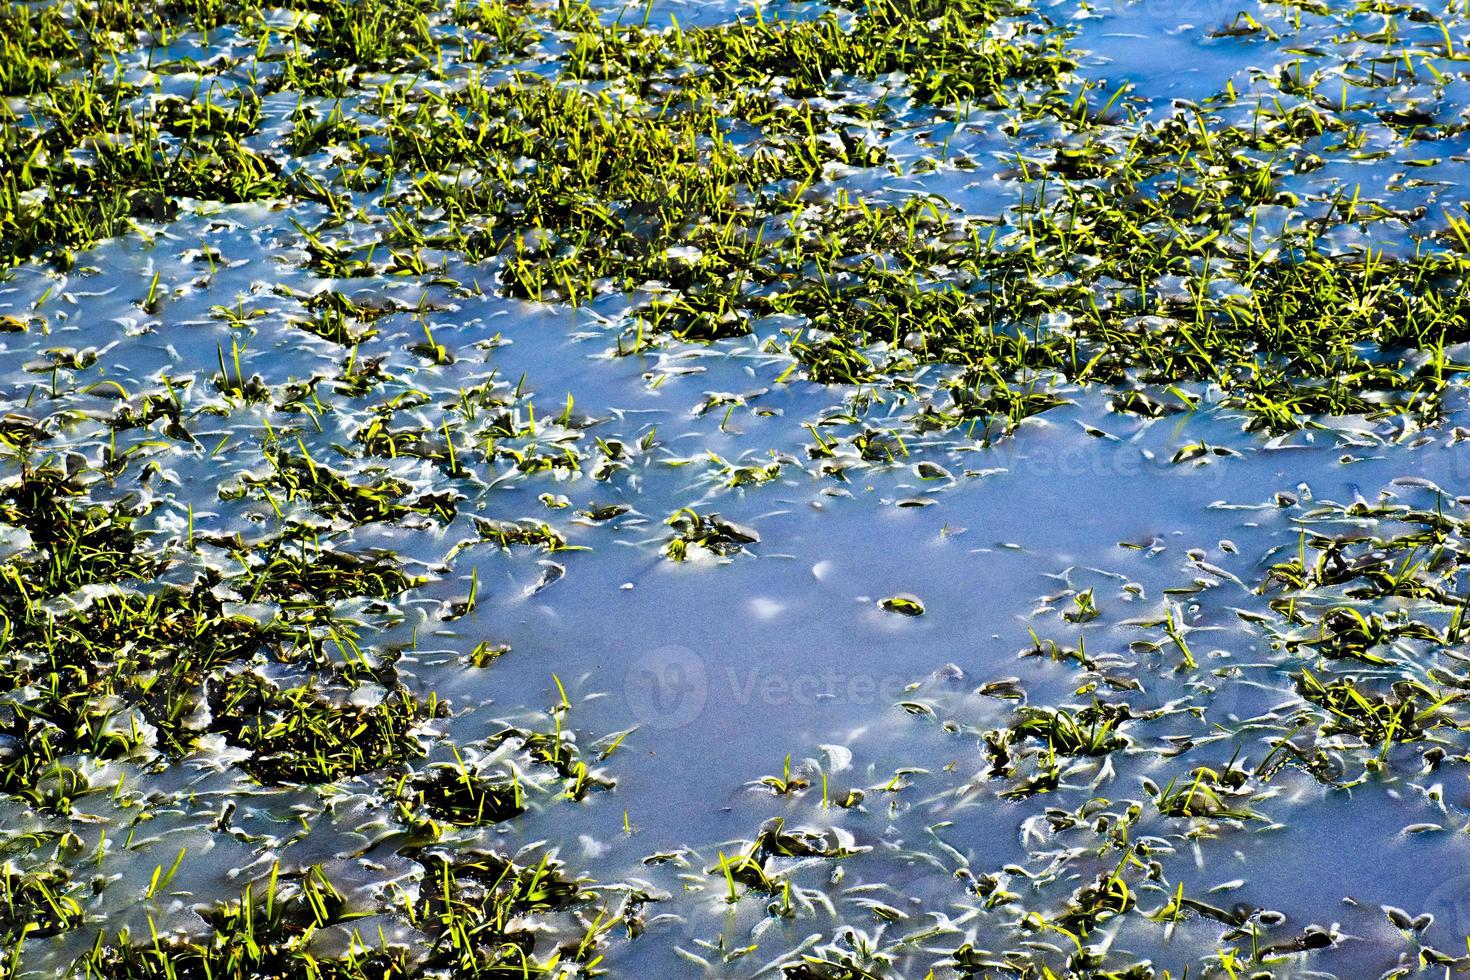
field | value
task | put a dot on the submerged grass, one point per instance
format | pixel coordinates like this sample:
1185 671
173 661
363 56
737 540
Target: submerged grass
687 185
683 177
470 911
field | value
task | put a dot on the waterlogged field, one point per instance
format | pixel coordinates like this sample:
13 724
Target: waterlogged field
888 489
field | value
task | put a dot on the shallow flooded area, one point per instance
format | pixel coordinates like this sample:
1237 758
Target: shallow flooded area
881 489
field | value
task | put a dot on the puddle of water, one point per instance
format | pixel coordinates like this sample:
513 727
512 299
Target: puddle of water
1105 707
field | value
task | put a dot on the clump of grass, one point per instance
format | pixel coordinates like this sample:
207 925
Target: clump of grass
557 749
481 914
1095 903
751 864
1405 714
458 795
1089 731
313 733
483 917
1347 633
122 667
480 908
98 163
76 664
287 570
526 533
36 903
300 476
1205 793
709 533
